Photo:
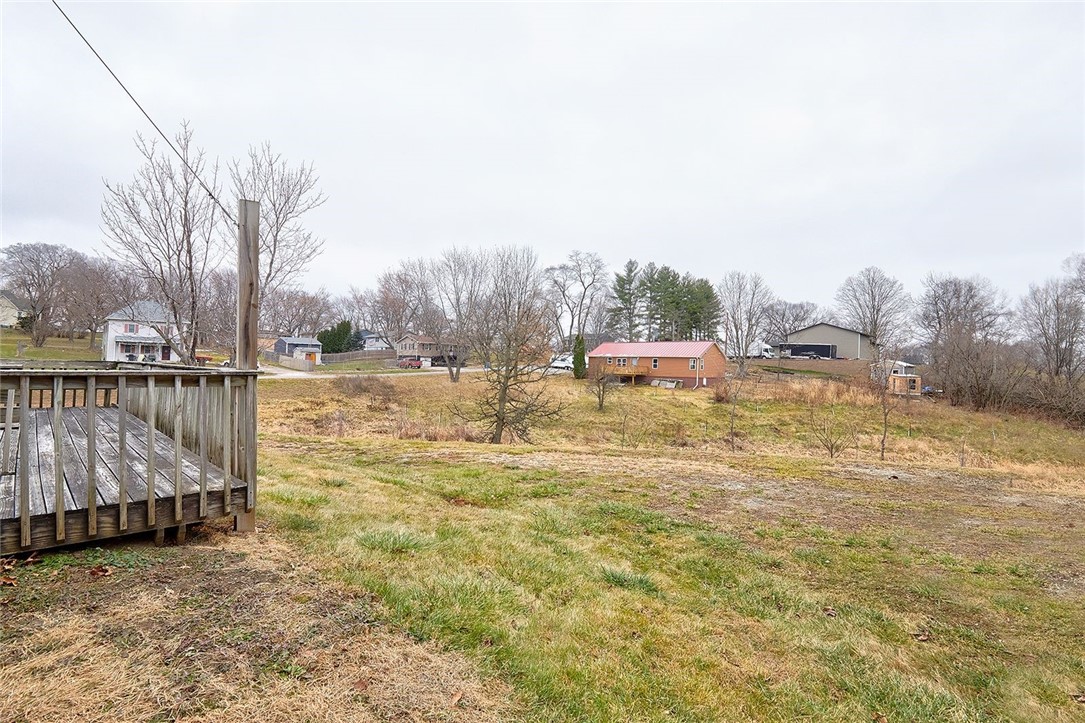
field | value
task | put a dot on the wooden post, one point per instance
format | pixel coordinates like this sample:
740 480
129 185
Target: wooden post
9 416
248 307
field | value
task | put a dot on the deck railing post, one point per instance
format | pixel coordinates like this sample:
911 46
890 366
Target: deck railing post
9 414
227 443
58 454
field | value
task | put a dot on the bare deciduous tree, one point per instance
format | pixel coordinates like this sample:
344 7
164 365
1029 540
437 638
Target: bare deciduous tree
834 431
1053 320
784 317
577 286
285 194
165 227
601 383
460 280
877 305
745 300
36 271
92 289
293 312
965 326
510 338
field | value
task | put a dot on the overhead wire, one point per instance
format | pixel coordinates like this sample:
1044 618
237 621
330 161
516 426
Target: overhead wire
145 114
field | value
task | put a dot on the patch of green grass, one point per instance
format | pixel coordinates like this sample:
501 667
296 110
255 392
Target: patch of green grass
297 497
299 523
395 541
629 580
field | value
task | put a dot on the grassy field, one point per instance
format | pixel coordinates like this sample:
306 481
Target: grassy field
55 348
623 565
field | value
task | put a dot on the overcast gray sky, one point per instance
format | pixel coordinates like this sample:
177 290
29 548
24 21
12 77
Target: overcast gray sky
802 141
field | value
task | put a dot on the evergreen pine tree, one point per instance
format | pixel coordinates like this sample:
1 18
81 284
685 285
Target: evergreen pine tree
580 361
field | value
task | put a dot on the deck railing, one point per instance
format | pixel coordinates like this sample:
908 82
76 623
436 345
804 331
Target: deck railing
627 370
209 412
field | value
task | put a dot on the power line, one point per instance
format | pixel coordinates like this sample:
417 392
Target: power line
146 114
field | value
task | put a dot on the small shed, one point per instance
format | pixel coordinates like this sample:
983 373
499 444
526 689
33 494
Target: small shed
299 347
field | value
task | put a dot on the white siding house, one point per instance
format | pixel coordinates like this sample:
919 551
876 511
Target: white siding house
130 333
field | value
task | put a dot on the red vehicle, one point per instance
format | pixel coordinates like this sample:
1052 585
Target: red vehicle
410 363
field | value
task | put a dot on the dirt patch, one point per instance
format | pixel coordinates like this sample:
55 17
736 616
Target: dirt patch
225 628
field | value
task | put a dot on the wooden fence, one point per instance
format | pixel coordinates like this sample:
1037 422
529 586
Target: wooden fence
364 355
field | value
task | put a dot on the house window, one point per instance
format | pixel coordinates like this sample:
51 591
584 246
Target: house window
131 328
692 364
702 363
655 363
610 360
128 348
911 384
621 361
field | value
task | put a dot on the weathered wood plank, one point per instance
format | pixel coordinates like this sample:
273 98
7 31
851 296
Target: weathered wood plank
37 425
227 437
90 404
59 485
122 451
201 432
105 459
178 434
24 469
149 401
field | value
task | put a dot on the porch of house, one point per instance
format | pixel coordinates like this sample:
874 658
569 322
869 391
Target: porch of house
93 453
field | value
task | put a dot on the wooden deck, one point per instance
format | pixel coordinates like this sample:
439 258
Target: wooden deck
83 452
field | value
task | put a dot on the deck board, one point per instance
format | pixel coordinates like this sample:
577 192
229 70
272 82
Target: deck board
74 449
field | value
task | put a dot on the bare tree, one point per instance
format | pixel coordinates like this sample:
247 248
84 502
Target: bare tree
745 300
601 382
293 312
36 271
834 431
93 288
510 338
577 286
877 305
784 317
285 194
391 309
1052 318
218 318
965 325
165 228
460 280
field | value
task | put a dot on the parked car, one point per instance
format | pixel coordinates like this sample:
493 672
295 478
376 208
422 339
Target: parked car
562 361
410 363
442 361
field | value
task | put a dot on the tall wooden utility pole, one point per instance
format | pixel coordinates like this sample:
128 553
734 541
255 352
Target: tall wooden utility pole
248 312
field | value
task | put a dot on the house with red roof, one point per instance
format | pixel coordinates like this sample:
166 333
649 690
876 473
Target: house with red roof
693 363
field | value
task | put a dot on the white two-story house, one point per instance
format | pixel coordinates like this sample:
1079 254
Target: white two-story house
130 333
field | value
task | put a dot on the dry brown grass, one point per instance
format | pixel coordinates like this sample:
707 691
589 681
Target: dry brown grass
232 629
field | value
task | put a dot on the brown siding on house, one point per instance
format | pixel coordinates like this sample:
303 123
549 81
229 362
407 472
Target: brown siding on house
714 367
